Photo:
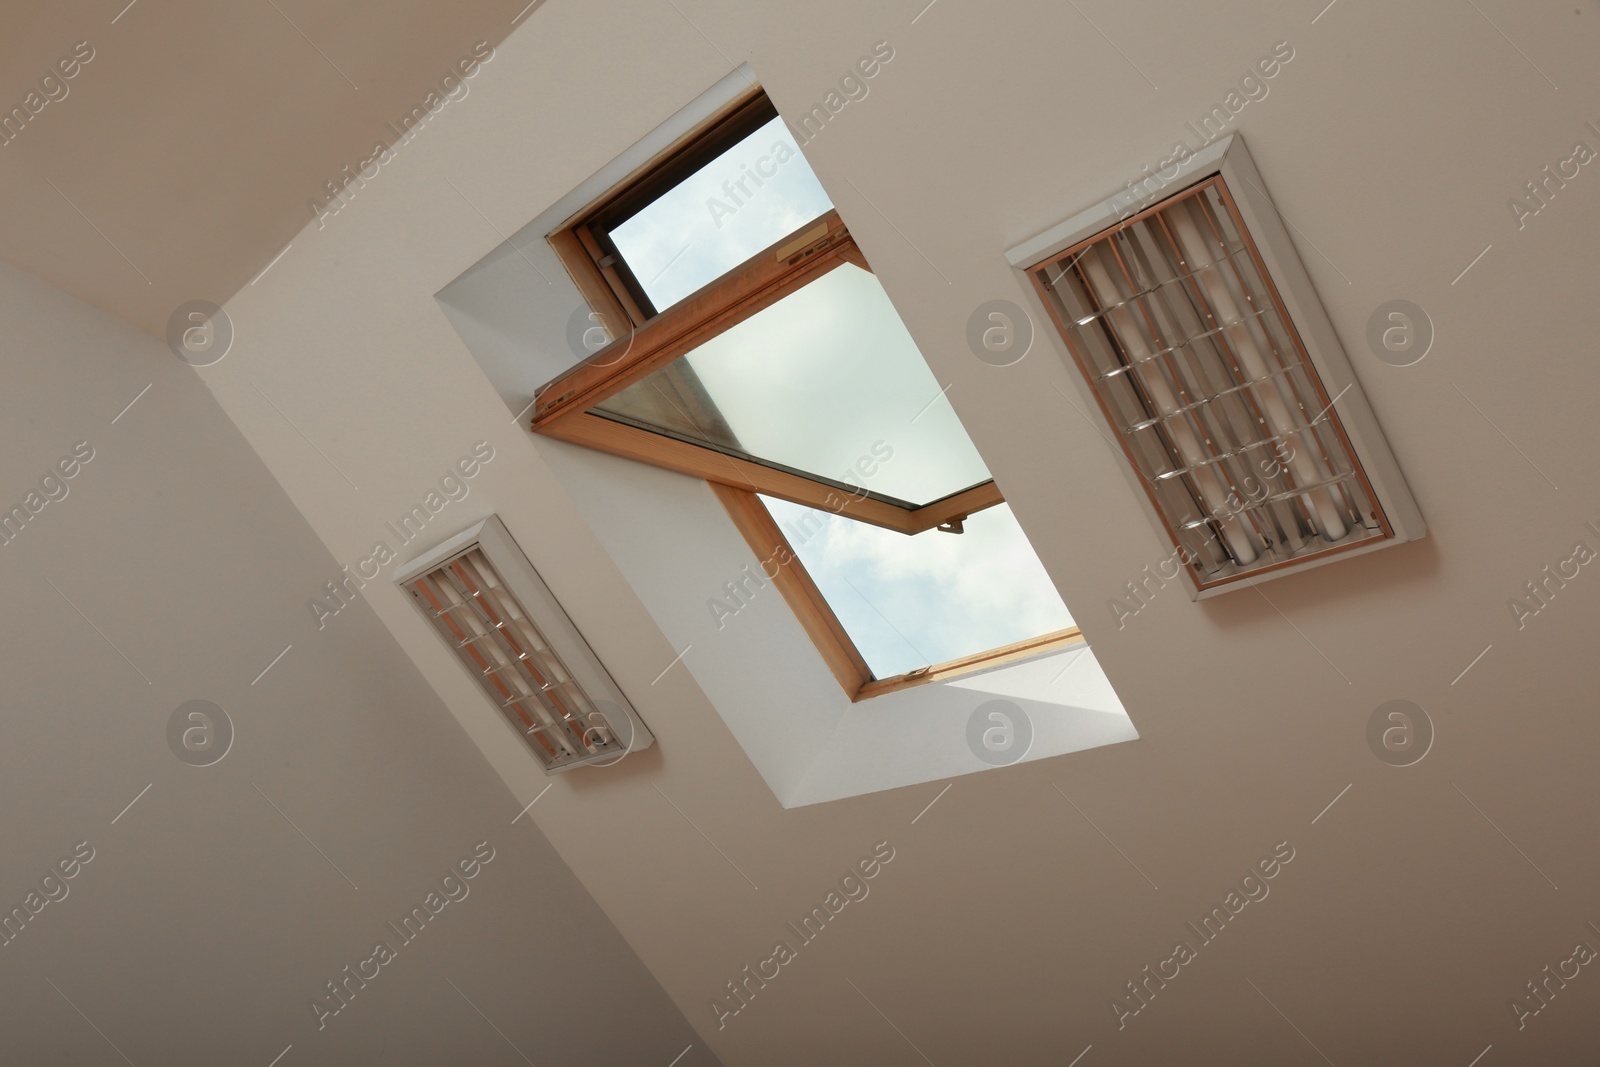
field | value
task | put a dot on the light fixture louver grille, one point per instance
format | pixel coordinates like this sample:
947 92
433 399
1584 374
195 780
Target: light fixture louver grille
515 661
1185 342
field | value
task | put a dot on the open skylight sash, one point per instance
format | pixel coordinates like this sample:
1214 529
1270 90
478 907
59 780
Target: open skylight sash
826 383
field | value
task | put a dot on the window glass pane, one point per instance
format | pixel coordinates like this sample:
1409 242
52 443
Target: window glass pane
826 382
747 199
910 602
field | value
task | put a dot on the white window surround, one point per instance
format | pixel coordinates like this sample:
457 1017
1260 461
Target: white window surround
513 308
759 671
764 677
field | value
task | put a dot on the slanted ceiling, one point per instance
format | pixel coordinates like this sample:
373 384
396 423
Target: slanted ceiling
182 156
1019 907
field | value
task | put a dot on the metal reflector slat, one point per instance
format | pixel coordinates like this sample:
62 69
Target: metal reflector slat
468 574
1154 289
1177 346
466 600
1203 401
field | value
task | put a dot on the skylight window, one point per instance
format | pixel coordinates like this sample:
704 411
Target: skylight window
814 383
754 347
913 602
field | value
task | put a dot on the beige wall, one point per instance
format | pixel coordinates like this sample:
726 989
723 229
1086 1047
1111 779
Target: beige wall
204 922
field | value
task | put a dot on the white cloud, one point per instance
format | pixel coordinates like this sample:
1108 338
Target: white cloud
909 602
675 245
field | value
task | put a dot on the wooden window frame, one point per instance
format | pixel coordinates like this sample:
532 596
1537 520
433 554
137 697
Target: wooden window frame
780 565
646 341
562 409
589 235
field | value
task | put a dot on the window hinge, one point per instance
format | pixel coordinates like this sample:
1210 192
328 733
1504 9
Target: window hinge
810 241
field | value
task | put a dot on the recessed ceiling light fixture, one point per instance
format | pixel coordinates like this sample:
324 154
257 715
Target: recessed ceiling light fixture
483 597
1200 337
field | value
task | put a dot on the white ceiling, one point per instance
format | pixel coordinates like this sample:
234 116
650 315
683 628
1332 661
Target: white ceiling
1425 897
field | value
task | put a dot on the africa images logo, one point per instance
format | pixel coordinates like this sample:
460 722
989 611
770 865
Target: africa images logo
852 888
340 991
1252 889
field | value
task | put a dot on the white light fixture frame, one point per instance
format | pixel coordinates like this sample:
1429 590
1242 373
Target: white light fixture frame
503 625
1391 515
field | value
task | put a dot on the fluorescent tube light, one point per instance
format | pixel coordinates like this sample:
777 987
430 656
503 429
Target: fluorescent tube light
1198 334
482 596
